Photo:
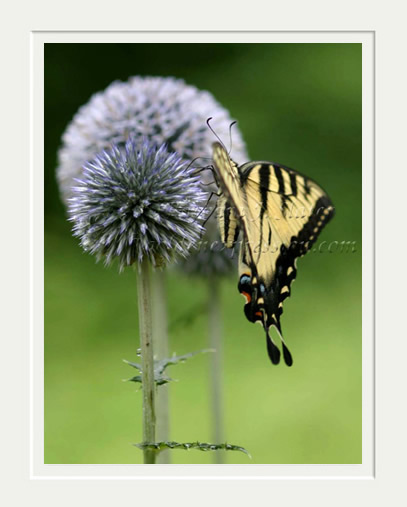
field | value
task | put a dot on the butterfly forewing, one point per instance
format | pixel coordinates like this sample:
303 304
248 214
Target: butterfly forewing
229 180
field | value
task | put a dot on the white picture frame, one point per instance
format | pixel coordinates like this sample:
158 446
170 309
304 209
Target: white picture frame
379 479
363 470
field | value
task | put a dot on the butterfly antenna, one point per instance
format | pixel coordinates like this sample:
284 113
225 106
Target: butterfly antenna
230 136
214 133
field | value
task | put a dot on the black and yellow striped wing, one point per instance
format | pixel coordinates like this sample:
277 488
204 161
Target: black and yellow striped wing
289 211
228 222
281 213
233 209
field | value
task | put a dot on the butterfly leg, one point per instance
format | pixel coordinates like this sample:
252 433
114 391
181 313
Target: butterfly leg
209 216
209 184
205 168
211 213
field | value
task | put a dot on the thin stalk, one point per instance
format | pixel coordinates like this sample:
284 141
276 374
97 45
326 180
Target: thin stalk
146 342
161 350
215 342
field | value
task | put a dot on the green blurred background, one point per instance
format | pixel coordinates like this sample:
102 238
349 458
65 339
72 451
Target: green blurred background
297 104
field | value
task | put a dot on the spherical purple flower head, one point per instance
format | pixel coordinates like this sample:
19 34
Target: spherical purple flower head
137 201
164 110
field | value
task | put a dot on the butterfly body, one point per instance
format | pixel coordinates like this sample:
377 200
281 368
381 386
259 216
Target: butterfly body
280 213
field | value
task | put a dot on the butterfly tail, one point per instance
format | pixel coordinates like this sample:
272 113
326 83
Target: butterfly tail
272 349
286 353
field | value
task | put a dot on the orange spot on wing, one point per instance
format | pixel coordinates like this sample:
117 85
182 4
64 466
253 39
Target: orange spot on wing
259 314
247 296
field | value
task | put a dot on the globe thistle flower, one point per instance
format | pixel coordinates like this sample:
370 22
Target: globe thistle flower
139 201
164 110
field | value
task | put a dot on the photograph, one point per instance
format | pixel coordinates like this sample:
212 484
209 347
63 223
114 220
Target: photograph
187 186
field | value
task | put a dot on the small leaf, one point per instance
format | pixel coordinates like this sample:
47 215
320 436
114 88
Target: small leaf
135 365
161 380
201 446
161 364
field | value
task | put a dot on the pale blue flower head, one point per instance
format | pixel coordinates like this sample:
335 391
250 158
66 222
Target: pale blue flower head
137 201
162 109
152 112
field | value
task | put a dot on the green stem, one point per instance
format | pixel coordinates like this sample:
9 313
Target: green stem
161 350
215 342
145 324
